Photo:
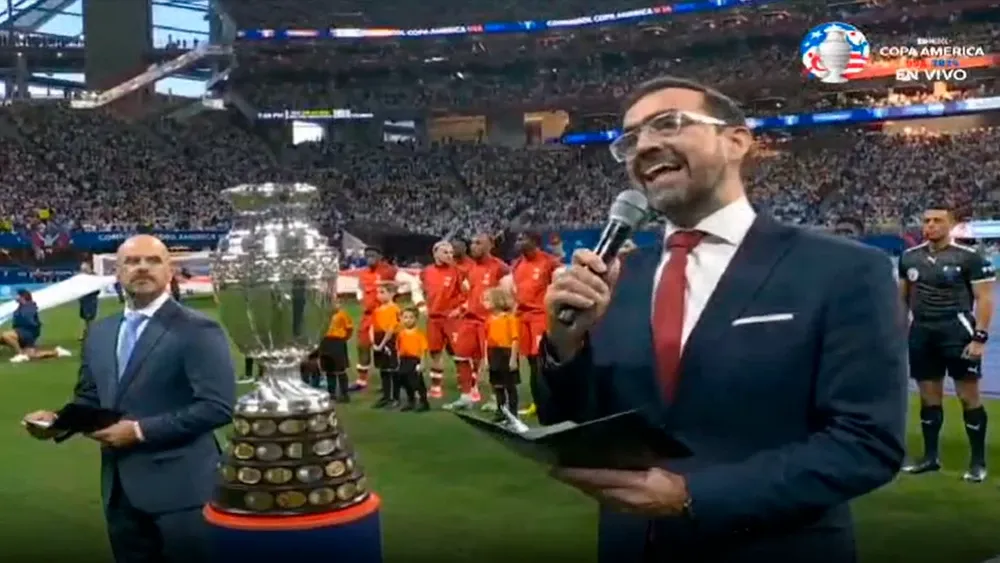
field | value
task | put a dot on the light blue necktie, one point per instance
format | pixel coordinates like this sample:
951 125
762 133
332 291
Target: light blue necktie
133 320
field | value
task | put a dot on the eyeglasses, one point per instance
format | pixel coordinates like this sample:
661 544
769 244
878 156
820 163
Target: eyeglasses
665 124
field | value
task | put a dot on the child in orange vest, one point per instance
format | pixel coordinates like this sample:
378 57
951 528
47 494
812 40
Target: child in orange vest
411 342
385 325
502 350
333 359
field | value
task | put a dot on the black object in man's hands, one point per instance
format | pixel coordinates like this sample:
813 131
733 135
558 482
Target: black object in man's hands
621 441
82 419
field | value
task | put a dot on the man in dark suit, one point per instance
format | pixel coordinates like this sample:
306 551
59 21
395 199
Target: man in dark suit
168 369
90 303
792 387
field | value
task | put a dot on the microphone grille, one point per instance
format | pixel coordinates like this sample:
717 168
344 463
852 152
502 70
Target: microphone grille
630 207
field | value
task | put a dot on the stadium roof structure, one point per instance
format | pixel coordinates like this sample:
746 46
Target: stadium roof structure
63 19
29 15
35 15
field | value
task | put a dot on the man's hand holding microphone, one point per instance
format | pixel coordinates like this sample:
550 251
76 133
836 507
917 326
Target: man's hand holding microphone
584 287
579 296
575 301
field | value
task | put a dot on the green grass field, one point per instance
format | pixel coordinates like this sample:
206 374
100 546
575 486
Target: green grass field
448 495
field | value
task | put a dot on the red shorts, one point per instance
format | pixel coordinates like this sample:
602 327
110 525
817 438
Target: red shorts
468 343
441 332
364 336
530 331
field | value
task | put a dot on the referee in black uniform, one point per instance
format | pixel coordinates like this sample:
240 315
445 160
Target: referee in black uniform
949 290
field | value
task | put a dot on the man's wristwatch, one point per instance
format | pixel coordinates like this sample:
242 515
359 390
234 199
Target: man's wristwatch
980 336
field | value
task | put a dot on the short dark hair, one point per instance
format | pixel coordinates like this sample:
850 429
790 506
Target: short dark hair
533 236
716 104
938 206
855 226
854 222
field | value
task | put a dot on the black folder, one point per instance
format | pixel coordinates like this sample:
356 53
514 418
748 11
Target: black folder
82 419
621 441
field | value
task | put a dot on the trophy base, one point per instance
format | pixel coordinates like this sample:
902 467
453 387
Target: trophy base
228 508
353 534
287 456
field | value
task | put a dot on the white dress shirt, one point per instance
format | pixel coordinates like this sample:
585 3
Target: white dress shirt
147 313
725 230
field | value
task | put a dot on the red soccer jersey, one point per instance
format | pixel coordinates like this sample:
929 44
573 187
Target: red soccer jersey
483 275
369 280
442 289
532 276
465 265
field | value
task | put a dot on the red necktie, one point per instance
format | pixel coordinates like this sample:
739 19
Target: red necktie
668 309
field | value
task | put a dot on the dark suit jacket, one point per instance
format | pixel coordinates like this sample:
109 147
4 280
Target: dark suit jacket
788 420
180 386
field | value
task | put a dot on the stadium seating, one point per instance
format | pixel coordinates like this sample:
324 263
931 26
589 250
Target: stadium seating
567 70
359 13
123 175
299 14
95 171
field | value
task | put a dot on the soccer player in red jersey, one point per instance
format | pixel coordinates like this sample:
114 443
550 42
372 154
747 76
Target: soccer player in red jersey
532 273
484 273
377 272
444 295
462 260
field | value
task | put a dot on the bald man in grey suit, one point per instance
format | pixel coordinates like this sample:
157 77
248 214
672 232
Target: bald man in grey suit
168 369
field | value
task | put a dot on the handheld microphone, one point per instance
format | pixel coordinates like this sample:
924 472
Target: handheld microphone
627 212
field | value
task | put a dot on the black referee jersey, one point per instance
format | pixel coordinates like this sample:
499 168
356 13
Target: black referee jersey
941 281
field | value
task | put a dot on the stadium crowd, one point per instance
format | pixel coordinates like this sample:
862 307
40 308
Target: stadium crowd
353 13
168 174
589 65
122 175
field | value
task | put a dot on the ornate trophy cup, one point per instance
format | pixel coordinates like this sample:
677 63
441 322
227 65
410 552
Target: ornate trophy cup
275 282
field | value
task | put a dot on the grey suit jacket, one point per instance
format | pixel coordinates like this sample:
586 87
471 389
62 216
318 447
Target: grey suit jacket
179 385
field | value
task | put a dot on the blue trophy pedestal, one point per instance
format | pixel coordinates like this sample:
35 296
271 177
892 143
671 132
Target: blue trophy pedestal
352 535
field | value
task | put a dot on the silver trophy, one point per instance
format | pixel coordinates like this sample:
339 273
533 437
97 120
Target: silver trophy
835 53
275 279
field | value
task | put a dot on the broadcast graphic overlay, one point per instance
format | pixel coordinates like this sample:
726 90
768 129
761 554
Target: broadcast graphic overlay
838 52
933 59
834 51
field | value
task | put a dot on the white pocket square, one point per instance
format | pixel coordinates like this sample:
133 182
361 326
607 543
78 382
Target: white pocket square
775 318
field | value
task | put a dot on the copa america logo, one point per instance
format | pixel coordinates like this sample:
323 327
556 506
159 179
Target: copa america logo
833 51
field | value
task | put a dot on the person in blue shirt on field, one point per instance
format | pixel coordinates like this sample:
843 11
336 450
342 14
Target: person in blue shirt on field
88 303
26 330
